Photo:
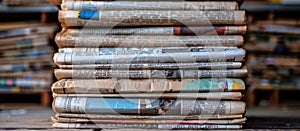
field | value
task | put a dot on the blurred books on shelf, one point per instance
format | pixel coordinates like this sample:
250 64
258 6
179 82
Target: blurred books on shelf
25 2
26 37
273 45
26 53
285 2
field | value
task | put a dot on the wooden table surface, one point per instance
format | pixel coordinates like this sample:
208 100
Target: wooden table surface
29 118
40 119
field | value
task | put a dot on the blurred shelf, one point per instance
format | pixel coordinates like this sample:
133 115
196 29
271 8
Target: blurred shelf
266 67
265 6
271 51
27 92
45 97
283 88
275 63
19 105
281 62
274 96
28 9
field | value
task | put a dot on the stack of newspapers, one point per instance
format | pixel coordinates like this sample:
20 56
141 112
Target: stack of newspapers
150 64
25 56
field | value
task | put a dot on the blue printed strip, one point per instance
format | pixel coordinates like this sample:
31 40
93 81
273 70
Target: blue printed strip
89 15
113 103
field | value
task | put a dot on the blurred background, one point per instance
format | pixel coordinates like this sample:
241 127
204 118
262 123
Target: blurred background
28 27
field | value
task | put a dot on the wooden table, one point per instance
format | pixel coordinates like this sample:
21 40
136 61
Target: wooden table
39 118
29 118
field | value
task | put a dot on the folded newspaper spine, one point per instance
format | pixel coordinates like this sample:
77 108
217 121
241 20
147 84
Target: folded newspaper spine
59 2
146 106
214 95
200 30
79 120
150 117
69 18
111 86
156 66
144 126
144 57
148 5
63 40
139 74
